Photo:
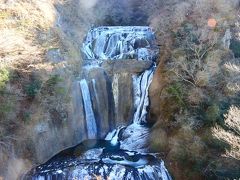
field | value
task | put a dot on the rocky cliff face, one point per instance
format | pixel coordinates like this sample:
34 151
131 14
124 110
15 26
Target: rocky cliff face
103 94
111 89
110 110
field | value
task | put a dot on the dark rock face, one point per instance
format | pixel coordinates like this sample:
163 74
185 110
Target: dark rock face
102 99
78 113
126 66
123 98
111 89
49 134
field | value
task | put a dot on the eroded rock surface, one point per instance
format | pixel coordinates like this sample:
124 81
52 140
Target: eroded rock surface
113 94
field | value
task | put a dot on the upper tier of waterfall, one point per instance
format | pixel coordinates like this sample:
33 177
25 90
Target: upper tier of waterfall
120 42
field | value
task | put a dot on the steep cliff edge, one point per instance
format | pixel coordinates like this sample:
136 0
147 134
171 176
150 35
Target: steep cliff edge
190 109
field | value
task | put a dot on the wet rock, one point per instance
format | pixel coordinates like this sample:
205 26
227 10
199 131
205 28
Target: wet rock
50 132
102 98
54 55
126 66
78 124
112 97
123 98
135 137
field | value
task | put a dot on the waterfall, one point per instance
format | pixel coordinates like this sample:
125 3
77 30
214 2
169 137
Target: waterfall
141 85
89 114
119 42
135 136
124 153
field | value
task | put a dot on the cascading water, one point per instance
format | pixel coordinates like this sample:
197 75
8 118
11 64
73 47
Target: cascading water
119 43
142 84
123 154
90 118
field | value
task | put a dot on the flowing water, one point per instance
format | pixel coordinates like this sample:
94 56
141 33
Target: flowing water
124 153
89 114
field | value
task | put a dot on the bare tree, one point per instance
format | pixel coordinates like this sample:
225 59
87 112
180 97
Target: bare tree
195 50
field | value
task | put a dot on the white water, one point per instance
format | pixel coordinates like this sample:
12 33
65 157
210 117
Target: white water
113 136
141 101
119 42
89 114
135 136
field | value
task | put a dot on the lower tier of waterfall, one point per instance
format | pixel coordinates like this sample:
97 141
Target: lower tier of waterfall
123 155
101 160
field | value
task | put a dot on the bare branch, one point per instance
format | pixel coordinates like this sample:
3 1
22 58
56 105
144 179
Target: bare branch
181 77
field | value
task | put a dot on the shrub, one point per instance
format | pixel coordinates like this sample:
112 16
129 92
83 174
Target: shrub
53 81
26 116
4 78
176 91
51 85
195 96
159 140
235 47
212 114
4 109
232 119
215 142
33 88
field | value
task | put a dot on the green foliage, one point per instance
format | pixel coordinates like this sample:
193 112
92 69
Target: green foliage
212 114
224 106
26 117
218 144
4 78
53 81
6 101
33 88
51 85
176 91
181 155
235 47
5 108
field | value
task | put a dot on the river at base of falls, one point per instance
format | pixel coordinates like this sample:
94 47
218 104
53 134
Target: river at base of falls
124 153
93 159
